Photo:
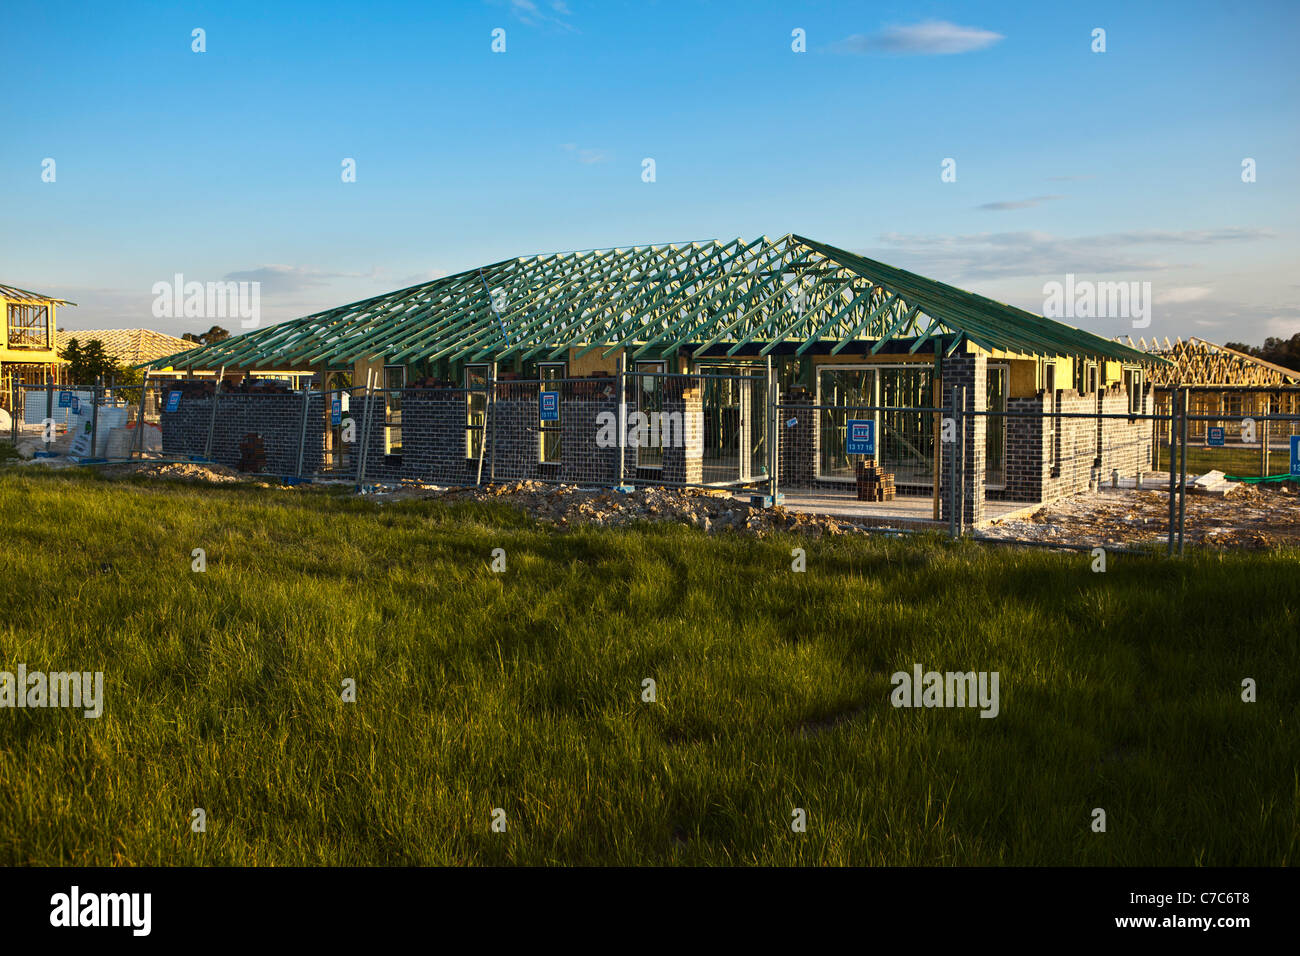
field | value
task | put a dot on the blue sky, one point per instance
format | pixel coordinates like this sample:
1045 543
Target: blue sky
1122 165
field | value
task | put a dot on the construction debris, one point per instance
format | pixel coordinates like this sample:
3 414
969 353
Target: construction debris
571 506
1249 517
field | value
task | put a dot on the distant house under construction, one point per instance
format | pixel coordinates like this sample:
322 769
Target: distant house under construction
28 349
1220 381
128 347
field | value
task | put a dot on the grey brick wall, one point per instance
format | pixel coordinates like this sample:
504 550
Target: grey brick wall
277 418
1047 456
1050 457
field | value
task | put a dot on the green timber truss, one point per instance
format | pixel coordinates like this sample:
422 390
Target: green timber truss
782 296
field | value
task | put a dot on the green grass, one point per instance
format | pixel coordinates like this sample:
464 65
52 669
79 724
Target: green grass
1239 462
521 691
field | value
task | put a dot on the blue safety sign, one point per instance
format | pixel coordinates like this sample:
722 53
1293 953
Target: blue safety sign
860 438
336 411
65 399
1214 436
550 406
1295 454
174 400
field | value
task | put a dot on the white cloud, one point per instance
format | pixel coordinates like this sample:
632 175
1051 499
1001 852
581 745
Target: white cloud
587 156
933 37
1182 293
1018 203
530 14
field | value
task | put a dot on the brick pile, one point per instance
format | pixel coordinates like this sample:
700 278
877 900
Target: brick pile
252 453
874 483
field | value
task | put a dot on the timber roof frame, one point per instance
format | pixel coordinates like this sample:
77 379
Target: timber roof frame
1202 362
697 298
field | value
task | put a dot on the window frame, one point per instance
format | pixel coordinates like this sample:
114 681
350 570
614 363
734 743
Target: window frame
16 334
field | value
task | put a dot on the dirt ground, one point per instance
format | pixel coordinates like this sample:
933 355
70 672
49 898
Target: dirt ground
1247 517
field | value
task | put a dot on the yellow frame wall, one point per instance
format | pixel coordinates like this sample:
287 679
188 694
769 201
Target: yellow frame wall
49 356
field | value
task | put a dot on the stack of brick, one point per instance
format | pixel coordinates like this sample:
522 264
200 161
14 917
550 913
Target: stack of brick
874 483
252 453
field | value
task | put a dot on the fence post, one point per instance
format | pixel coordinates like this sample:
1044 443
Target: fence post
488 427
302 428
483 438
773 432
952 467
367 414
1263 442
622 416
1182 481
961 465
212 419
95 393
1173 465
137 446
49 404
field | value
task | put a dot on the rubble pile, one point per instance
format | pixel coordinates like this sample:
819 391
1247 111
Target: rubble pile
1248 517
568 506
175 470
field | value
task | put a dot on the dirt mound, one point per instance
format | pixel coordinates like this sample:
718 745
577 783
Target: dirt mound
177 470
567 506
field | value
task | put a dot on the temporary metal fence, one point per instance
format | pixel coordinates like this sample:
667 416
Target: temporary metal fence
93 423
941 466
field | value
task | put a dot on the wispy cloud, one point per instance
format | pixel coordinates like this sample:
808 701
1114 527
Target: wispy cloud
930 38
587 156
1018 203
1183 293
530 14
999 255
283 279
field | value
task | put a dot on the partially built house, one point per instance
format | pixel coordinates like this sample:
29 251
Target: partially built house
769 356
28 350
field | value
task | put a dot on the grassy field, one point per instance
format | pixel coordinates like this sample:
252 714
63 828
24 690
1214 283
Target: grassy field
1239 462
522 691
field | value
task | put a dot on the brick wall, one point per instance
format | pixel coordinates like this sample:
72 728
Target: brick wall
1049 457
276 418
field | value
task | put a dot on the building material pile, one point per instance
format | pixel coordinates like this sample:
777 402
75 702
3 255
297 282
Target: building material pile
874 483
252 453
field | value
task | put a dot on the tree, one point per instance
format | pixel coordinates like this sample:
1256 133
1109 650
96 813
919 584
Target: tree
214 334
1284 352
88 363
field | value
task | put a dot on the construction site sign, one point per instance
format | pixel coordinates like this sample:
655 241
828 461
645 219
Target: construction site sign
174 400
860 438
1214 436
550 406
